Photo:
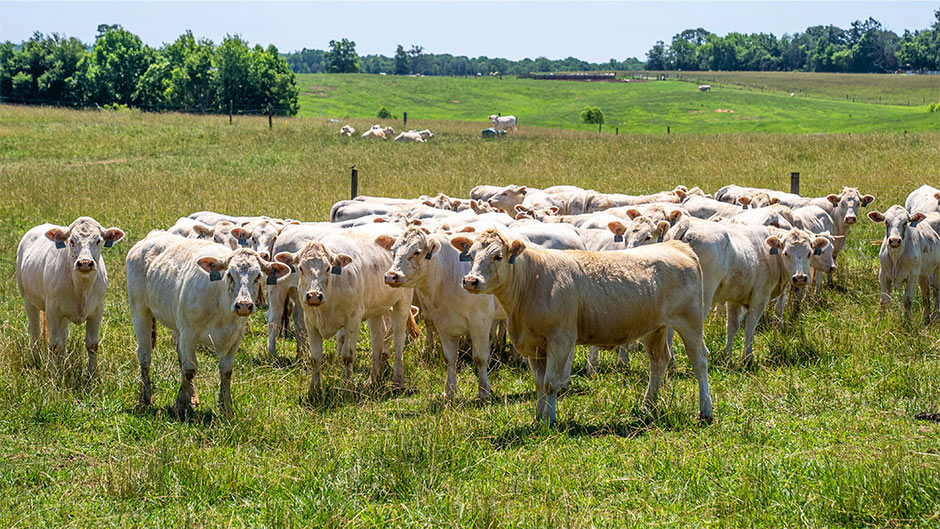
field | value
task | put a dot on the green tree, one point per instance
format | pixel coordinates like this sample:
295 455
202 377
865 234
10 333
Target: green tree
191 78
593 115
272 83
342 57
232 80
401 61
415 54
110 72
656 58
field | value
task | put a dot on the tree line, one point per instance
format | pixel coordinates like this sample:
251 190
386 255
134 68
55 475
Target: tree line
190 74
341 57
866 47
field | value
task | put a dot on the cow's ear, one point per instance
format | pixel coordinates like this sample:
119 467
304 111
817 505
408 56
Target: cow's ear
876 216
633 213
461 243
455 203
674 216
467 229
57 234
522 189
278 270
379 219
661 228
774 200
211 265
515 248
838 242
385 241
425 230
112 235
434 246
915 218
744 201
820 242
617 227
520 208
286 258
774 243
554 210
428 203
242 235
937 196
681 193
833 199
203 230
867 200
341 260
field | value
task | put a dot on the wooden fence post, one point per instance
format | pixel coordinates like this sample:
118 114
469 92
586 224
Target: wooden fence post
354 184
270 116
795 183
405 126
229 111
667 129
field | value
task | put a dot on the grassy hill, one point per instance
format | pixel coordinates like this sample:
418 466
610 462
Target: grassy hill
818 433
641 107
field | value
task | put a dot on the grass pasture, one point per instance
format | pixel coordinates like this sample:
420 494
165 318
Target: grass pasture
639 107
819 433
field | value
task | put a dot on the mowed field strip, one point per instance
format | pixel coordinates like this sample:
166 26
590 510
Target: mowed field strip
641 107
819 432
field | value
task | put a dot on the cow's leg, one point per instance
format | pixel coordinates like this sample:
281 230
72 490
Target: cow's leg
179 361
735 312
925 296
908 299
58 331
428 338
34 323
315 342
798 294
351 338
188 365
449 346
145 329
751 318
276 304
226 363
400 314
558 355
92 329
781 304
377 341
697 352
300 326
480 341
655 343
816 279
623 357
592 360
537 366
935 317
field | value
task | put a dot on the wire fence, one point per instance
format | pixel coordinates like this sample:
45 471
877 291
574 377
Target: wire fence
255 110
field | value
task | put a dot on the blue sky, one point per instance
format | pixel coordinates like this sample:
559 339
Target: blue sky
593 31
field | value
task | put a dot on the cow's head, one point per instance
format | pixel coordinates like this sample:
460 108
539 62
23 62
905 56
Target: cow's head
493 118
640 231
241 273
824 259
412 250
793 249
508 198
492 256
261 235
845 205
317 266
897 223
480 207
83 240
426 134
224 233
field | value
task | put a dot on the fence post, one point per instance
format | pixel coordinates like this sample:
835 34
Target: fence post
667 129
616 131
354 184
405 126
795 183
229 111
270 116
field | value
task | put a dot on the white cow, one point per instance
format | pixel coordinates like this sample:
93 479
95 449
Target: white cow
910 254
503 123
924 199
201 290
347 131
379 133
62 278
428 263
410 136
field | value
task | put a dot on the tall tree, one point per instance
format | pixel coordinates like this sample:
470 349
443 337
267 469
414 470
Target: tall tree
415 54
401 61
342 57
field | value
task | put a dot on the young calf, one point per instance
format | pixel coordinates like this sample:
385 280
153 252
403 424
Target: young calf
201 290
62 279
910 254
557 299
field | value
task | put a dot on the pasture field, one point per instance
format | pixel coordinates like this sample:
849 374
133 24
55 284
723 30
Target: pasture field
820 432
886 89
643 107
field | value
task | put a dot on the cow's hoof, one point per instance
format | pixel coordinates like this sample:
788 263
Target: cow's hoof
705 419
145 397
182 409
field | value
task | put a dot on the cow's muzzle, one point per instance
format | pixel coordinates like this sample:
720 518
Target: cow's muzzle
894 242
799 279
394 279
244 307
472 283
85 265
850 219
313 298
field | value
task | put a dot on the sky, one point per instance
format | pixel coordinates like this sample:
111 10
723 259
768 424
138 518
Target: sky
592 31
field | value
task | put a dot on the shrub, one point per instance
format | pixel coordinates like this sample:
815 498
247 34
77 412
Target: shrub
384 114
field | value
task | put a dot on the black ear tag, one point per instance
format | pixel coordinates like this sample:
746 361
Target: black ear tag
817 251
272 279
428 256
242 241
465 257
337 269
108 243
214 275
618 237
59 244
660 239
914 224
512 259
773 250
292 269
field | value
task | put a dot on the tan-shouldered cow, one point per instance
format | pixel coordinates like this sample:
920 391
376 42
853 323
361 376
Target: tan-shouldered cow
201 290
62 278
557 299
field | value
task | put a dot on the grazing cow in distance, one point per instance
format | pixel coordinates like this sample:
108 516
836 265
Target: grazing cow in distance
503 123
704 87
62 278
410 136
557 299
379 133
347 131
204 292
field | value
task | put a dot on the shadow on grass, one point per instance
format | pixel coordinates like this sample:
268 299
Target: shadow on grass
198 417
521 435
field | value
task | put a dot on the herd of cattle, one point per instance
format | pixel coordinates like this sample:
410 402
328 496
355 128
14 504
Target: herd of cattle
383 133
555 267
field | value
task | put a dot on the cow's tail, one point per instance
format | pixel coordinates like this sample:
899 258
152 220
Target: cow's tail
153 333
413 330
286 314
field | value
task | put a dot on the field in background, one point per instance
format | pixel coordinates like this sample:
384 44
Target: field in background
642 107
886 89
820 432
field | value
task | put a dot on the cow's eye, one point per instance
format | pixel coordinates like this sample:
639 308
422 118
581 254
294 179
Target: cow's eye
71 242
647 238
257 278
498 257
809 254
786 253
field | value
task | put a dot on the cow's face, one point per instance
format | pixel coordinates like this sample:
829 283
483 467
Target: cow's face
492 257
222 233
640 231
897 225
794 249
846 205
508 198
412 252
317 267
261 236
823 259
240 273
83 240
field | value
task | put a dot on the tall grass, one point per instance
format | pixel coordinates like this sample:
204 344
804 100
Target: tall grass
819 433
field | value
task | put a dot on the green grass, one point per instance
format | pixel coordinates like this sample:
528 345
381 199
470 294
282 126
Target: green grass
887 89
642 107
819 433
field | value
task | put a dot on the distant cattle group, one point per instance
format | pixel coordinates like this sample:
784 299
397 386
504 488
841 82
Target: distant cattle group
553 268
